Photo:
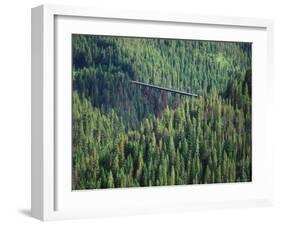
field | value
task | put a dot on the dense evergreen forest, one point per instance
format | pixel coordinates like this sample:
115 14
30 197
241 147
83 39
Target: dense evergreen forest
125 135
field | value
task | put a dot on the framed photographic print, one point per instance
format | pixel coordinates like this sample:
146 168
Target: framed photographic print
137 112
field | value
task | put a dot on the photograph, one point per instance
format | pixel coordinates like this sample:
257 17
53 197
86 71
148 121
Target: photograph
153 111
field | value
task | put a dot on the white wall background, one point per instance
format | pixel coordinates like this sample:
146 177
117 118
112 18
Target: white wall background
15 111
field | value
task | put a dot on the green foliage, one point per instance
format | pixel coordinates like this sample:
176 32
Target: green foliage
128 136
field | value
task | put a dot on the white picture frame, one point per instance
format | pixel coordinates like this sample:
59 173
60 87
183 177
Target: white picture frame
51 193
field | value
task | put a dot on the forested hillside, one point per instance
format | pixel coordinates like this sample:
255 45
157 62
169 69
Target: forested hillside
125 135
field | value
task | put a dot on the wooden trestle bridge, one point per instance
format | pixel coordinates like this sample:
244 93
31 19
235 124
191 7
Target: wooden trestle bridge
165 89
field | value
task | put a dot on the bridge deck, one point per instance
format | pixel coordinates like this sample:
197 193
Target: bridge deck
165 89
